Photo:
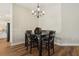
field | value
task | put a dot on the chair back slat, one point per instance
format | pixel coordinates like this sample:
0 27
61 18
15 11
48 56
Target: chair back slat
37 30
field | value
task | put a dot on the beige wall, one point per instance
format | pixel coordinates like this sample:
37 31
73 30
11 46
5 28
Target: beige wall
64 18
70 23
60 17
52 18
22 21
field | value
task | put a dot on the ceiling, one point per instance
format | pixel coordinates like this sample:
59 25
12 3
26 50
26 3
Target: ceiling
33 5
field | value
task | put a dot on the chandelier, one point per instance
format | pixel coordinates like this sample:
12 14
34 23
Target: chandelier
38 12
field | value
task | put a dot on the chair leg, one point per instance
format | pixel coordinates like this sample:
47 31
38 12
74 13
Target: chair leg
26 42
53 46
46 46
48 49
37 46
27 46
30 47
40 49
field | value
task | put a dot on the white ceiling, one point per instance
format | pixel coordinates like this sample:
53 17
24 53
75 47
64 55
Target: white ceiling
33 5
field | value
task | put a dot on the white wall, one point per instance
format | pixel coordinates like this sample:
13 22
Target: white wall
52 18
64 19
70 23
60 17
22 21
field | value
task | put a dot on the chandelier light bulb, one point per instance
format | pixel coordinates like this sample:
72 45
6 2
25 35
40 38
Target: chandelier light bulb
38 9
32 11
35 14
43 12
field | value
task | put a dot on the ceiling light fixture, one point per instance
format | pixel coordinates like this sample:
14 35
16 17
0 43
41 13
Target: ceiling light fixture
38 12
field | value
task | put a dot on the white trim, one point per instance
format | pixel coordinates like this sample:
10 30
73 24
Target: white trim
57 43
69 44
66 44
13 44
11 24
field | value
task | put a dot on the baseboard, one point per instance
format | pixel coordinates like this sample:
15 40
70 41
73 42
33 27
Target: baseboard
69 44
13 44
57 43
66 44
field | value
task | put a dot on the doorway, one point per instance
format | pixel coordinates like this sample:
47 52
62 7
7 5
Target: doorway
4 37
5 30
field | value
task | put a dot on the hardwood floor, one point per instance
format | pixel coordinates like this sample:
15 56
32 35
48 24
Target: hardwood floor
4 47
59 51
20 50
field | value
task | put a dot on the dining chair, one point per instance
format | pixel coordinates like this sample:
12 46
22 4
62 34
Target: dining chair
38 30
48 41
27 38
34 38
30 40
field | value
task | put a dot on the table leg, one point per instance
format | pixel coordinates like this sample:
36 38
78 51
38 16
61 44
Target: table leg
48 48
53 45
40 47
30 47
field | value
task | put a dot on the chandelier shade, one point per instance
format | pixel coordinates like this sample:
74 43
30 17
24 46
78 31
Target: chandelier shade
38 12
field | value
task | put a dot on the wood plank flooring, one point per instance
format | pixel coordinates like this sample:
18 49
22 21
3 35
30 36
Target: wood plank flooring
4 47
20 50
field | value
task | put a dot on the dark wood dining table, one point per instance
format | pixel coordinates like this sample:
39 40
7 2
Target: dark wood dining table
39 37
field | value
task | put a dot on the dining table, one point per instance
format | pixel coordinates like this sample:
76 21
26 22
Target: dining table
39 37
